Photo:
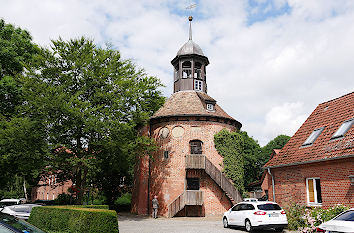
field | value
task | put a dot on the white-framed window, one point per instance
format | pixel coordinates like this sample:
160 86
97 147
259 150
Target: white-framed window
313 136
198 85
210 107
343 129
313 190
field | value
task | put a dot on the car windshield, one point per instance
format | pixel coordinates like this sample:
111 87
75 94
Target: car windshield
19 224
269 206
7 203
346 216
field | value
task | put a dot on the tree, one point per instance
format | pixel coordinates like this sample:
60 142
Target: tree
17 52
230 146
22 142
277 143
250 153
93 103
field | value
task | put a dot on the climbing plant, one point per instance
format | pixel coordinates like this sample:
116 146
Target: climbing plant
230 146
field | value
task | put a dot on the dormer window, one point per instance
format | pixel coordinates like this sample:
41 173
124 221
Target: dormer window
343 129
198 85
313 136
187 69
210 107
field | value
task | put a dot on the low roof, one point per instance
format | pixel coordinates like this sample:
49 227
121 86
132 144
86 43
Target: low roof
330 115
190 103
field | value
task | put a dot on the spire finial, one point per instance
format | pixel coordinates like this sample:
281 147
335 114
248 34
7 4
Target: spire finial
190 18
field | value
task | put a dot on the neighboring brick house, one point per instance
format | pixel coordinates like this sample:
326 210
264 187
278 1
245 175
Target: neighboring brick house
185 173
48 189
316 166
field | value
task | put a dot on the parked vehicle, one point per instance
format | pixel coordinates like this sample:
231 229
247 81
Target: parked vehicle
250 199
256 214
11 224
20 211
343 222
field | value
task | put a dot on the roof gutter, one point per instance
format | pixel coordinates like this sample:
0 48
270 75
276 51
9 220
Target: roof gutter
311 161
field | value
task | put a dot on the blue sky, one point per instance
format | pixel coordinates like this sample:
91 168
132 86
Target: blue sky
271 61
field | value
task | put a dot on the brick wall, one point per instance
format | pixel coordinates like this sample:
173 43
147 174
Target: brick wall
168 176
290 182
49 189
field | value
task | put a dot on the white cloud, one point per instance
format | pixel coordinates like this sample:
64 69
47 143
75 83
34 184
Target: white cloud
280 68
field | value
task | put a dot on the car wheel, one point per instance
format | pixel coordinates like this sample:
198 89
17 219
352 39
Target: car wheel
248 225
279 229
225 222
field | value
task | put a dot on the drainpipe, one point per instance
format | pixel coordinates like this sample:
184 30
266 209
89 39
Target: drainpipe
272 184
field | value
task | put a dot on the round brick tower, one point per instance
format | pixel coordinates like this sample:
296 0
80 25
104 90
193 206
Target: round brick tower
186 171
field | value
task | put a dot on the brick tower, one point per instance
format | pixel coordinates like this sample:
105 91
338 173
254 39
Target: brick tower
185 173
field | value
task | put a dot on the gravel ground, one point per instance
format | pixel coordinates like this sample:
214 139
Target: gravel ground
129 223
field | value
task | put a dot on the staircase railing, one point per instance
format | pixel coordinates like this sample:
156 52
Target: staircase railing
201 162
188 197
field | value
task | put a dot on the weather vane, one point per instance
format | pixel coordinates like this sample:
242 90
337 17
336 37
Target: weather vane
190 18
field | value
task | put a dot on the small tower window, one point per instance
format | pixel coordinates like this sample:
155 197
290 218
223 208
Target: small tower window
210 107
187 69
198 70
198 85
196 147
165 154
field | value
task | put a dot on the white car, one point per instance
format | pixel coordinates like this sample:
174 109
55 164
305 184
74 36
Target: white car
20 211
257 214
341 223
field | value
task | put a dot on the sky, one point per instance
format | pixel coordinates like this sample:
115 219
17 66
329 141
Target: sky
271 61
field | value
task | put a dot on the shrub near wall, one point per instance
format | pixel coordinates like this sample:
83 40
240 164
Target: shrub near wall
74 219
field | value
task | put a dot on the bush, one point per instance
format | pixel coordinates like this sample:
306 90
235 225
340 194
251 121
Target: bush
123 203
102 207
74 219
63 199
306 219
295 214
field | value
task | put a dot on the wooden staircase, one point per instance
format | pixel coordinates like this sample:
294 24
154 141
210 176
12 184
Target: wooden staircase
188 197
195 197
202 162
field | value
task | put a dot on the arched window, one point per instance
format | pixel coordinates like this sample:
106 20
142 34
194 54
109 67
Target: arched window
186 69
196 147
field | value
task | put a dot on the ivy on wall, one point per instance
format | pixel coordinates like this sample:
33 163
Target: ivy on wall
230 146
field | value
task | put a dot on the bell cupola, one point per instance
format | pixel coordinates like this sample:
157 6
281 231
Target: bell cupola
190 66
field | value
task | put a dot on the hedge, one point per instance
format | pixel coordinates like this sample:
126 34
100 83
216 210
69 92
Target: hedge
74 219
103 207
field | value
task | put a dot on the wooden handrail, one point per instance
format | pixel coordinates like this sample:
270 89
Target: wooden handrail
201 162
188 197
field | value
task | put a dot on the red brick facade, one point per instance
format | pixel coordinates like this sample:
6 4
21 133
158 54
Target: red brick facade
168 176
290 183
49 189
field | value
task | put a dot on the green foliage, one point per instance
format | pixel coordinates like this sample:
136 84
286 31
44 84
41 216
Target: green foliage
22 138
295 214
230 146
277 143
74 219
93 103
63 199
16 49
250 153
102 207
125 199
306 220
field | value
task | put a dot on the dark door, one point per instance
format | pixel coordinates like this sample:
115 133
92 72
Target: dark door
192 183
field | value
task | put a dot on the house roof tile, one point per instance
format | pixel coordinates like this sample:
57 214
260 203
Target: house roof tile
331 115
190 103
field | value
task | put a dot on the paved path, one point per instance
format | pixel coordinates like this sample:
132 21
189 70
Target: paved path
129 223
